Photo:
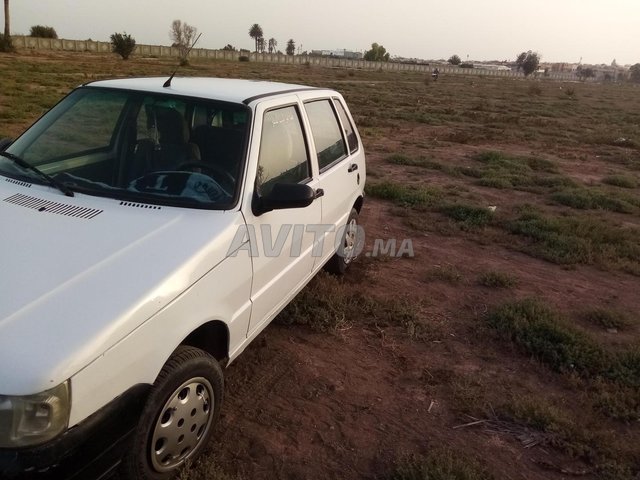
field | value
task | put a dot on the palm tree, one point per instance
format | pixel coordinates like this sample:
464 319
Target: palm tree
7 32
273 44
255 32
291 47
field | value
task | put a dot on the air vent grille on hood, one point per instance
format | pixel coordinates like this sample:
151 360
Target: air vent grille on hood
18 182
52 207
140 205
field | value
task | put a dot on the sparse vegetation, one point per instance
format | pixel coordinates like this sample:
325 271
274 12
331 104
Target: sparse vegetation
444 273
576 239
408 196
621 180
468 216
541 332
607 318
330 306
440 464
592 199
493 279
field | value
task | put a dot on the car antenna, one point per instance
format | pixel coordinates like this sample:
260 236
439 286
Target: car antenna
167 84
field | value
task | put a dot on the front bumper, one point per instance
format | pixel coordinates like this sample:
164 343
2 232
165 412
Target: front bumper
90 450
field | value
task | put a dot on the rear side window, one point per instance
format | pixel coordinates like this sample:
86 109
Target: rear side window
283 153
326 132
349 133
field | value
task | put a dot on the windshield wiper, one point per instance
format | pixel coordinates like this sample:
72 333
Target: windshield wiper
49 179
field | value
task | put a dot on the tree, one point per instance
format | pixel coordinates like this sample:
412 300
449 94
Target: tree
123 44
182 35
454 60
273 44
43 32
585 73
229 47
291 47
261 45
5 39
528 62
634 73
256 33
7 30
377 54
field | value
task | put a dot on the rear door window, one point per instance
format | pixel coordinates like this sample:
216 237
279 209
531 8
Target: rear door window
349 132
325 129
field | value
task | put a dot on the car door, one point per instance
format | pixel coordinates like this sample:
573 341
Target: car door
281 240
340 162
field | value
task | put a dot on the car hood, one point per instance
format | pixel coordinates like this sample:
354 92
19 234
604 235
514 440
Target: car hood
74 282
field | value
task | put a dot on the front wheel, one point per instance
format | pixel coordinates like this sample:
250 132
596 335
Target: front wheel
178 418
349 247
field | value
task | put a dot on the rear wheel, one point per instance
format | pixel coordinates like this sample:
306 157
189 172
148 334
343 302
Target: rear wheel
178 418
349 247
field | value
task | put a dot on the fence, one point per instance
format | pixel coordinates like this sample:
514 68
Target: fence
35 43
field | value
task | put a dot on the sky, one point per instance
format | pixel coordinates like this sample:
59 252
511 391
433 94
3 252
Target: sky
596 31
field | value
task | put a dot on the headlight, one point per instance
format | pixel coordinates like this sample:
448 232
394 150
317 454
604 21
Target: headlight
33 419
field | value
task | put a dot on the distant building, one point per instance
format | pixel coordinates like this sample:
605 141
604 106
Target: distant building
338 53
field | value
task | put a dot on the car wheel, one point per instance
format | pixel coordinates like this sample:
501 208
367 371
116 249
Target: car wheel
349 248
178 418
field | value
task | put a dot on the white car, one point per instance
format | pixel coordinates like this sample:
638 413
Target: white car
151 230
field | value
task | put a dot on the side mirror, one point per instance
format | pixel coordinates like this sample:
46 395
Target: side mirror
283 196
4 143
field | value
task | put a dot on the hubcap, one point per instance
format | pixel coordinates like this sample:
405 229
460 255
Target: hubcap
350 240
183 422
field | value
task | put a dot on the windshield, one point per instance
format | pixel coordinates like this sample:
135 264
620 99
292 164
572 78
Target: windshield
151 148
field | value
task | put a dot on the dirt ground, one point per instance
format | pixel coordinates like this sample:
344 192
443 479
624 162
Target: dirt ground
347 405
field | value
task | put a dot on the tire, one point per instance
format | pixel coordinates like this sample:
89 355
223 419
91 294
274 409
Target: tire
348 249
178 418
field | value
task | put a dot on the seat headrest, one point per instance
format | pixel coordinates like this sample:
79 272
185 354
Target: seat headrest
172 126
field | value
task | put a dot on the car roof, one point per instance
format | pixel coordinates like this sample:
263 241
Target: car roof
224 89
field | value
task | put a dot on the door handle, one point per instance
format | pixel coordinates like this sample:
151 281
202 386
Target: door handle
318 193
353 167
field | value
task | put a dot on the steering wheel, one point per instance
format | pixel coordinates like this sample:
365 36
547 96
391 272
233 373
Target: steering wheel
220 175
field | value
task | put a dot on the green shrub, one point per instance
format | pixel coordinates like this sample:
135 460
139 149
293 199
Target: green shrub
467 215
123 44
243 58
623 181
401 159
407 196
607 318
544 334
576 240
440 464
587 199
494 279
6 44
539 331
42 31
